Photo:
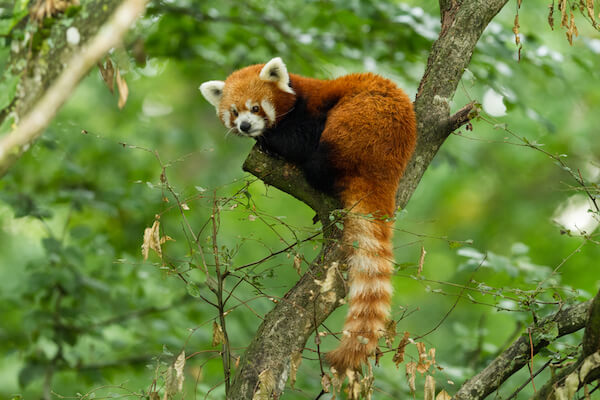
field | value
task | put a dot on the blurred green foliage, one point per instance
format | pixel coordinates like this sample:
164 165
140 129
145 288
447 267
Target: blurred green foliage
82 311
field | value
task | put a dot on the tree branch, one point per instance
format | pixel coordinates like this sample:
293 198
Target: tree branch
591 339
562 323
587 368
35 121
571 378
460 118
288 326
288 178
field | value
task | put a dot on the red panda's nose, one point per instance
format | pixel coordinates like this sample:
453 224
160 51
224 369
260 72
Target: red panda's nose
245 126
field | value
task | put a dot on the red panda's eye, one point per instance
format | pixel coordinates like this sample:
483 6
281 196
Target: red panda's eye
255 109
235 113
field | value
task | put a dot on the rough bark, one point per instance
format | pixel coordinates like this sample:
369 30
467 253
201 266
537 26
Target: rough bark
289 325
591 339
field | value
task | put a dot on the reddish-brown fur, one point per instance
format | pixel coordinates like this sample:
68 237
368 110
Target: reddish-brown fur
372 132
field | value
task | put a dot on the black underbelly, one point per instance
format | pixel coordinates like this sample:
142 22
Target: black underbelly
297 139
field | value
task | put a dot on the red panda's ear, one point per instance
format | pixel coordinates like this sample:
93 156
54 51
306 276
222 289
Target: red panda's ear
213 92
276 71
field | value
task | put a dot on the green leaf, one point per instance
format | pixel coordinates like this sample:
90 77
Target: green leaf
547 332
166 351
29 373
193 290
7 124
52 246
19 12
455 244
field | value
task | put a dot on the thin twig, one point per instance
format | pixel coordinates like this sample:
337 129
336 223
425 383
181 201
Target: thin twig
454 305
516 392
531 360
226 349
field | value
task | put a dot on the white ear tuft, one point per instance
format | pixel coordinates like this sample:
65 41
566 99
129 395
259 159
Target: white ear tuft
213 92
276 71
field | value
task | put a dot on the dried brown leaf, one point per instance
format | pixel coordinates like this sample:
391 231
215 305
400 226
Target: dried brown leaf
572 29
171 384
421 261
298 264
564 19
218 336
166 238
353 388
429 388
411 369
422 351
589 5
424 363
431 354
399 355
515 30
390 332
336 382
152 240
366 384
266 385
108 74
443 395
326 383
123 90
179 365
551 15
47 8
295 361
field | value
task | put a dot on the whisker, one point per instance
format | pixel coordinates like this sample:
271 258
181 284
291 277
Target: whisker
228 132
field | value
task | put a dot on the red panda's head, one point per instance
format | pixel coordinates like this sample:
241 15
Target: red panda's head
252 99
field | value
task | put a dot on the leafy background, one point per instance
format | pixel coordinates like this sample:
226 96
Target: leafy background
81 309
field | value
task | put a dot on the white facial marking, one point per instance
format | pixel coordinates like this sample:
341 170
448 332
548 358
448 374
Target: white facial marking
257 123
269 110
226 118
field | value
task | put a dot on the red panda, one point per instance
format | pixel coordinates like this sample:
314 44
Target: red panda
352 137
